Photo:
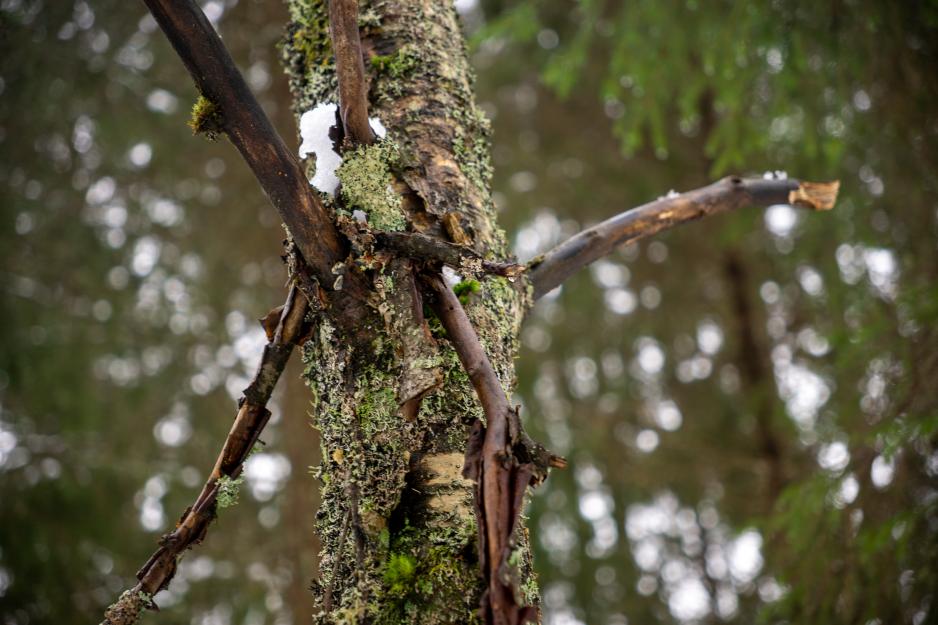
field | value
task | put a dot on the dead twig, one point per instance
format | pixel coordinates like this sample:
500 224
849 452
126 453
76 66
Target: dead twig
551 269
252 416
421 247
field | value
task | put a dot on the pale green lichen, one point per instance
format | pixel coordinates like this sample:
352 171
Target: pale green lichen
408 558
306 51
366 180
228 490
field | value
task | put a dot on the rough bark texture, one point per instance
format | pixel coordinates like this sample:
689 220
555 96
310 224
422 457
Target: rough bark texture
397 524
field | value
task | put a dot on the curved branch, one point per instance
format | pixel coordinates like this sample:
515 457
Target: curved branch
252 416
551 269
353 91
500 459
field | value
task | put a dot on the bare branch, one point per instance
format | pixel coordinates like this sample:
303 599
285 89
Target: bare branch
353 91
496 459
421 247
252 416
276 168
551 269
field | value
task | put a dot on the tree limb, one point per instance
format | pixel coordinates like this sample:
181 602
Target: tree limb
252 416
551 269
276 168
498 459
421 247
353 90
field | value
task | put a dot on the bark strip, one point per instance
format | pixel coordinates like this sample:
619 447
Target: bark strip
276 168
493 462
353 90
550 270
252 416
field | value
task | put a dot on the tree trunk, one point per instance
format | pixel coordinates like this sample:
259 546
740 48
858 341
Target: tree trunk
397 519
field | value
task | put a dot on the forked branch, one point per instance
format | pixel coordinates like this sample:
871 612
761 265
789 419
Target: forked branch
551 269
252 416
276 168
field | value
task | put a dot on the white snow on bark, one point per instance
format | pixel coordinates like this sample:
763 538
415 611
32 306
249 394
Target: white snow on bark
314 132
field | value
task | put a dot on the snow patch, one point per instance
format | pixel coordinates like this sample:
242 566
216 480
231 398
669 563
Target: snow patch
314 132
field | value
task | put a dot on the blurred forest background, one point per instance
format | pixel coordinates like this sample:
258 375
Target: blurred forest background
749 403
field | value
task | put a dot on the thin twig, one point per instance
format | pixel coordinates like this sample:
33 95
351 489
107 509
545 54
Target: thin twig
493 461
551 269
252 416
353 91
421 247
276 168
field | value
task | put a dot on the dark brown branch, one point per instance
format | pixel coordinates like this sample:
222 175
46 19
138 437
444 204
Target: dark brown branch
353 90
276 168
551 269
252 416
421 247
495 459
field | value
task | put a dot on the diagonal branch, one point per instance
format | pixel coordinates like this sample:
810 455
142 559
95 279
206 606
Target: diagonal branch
551 269
252 416
276 168
353 90
499 458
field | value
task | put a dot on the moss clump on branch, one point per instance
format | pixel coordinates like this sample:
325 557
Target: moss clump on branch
366 180
206 119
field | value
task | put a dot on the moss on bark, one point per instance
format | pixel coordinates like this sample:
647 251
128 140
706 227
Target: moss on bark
396 520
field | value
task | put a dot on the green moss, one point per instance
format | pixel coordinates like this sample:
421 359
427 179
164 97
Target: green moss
465 289
228 490
396 65
206 119
399 574
366 180
426 573
306 50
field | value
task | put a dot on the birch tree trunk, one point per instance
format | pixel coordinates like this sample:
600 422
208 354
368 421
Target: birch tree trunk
397 522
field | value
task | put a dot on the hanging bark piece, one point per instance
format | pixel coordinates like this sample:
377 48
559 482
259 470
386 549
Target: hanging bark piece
497 459
253 415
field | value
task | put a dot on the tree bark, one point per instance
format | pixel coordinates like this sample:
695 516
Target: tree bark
397 521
